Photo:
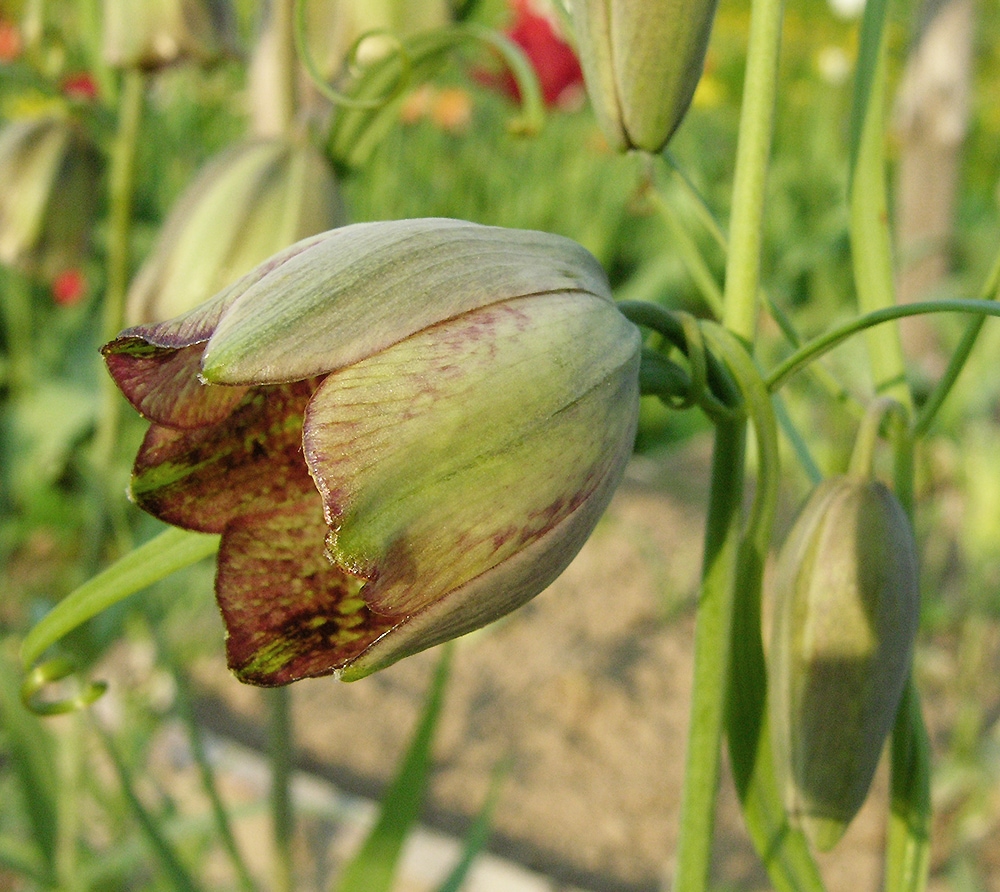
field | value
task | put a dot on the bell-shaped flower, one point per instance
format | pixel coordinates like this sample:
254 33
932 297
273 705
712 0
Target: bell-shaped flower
152 34
49 190
402 430
248 203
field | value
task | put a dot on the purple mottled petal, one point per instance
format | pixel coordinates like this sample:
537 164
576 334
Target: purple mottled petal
289 612
163 385
249 463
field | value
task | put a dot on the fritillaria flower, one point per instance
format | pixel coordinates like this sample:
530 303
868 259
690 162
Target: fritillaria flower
402 430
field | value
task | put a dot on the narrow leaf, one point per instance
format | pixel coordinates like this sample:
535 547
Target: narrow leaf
478 835
180 879
172 550
374 867
908 855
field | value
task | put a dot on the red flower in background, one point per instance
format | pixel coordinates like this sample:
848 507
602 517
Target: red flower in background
553 59
69 287
80 86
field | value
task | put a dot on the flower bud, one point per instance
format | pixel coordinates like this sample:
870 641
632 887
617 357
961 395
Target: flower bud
151 34
845 617
642 60
49 188
247 204
402 430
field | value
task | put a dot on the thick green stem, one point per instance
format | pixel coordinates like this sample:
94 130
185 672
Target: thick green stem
15 305
753 152
285 63
122 189
871 245
723 531
282 821
711 669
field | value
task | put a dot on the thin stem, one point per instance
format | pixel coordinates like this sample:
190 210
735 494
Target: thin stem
871 245
866 440
68 798
221 818
753 151
840 333
959 357
697 267
282 820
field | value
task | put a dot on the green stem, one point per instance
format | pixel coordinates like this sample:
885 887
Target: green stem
871 246
711 667
122 189
959 357
15 304
223 826
862 462
285 40
753 151
282 820
723 528
68 798
839 333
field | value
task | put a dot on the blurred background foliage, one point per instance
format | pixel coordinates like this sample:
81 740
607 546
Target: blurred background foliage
451 153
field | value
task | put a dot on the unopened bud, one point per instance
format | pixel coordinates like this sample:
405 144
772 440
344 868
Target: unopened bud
845 617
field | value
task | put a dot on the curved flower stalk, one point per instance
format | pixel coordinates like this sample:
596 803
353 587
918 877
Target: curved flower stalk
447 406
253 200
642 60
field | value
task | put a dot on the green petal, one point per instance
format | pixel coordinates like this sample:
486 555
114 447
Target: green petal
448 454
362 288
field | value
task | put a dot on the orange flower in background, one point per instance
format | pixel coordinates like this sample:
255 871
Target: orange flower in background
10 41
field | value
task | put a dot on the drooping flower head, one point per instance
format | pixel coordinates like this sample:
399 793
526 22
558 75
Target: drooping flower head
402 431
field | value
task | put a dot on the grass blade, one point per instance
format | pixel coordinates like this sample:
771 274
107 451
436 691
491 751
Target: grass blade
478 835
180 879
374 867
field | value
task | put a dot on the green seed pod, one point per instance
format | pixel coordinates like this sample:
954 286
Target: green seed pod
247 204
642 60
49 188
845 617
